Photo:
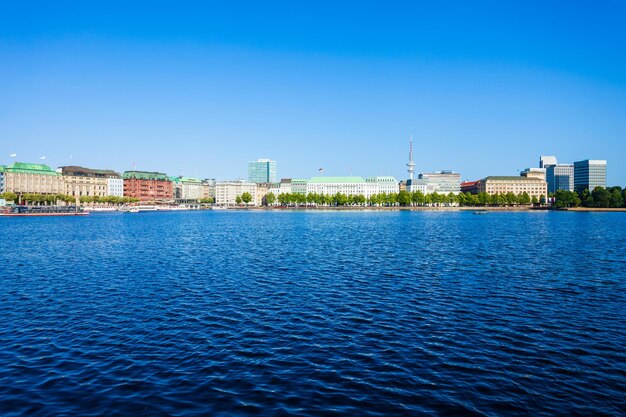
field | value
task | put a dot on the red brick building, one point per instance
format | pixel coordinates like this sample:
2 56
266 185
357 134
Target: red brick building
147 186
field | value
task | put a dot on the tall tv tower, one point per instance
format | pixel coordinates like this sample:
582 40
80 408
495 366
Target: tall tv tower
411 164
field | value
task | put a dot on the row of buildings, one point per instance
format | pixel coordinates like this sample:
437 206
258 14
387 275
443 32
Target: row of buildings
22 178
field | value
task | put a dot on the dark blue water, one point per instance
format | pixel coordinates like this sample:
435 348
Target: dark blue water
306 314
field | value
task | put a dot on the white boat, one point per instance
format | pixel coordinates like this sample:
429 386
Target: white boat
219 208
137 209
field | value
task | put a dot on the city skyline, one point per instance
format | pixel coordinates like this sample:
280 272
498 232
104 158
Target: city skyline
201 90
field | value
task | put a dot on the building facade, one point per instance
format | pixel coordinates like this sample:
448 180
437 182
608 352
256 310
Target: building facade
147 186
545 161
382 185
1 179
535 187
440 182
334 185
539 173
208 188
262 171
298 186
469 187
560 177
81 181
226 192
23 178
589 174
115 187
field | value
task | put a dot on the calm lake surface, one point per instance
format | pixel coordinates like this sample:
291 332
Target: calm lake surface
313 313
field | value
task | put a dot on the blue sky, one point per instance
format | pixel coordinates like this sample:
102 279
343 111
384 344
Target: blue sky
200 88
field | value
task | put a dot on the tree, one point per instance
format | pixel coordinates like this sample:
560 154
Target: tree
404 198
534 200
587 198
524 199
238 200
616 200
9 196
601 197
624 197
270 198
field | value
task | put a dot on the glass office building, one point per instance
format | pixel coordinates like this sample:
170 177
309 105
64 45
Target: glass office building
560 177
262 171
589 174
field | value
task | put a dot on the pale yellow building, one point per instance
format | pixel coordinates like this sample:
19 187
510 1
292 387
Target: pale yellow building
79 181
535 187
22 178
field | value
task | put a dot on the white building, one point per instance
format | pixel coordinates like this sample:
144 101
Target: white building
382 185
115 187
352 185
226 192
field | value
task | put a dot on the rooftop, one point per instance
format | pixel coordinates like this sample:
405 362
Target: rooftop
145 175
88 172
25 168
511 178
336 180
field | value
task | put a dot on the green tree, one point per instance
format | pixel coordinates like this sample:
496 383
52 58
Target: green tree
624 197
238 200
524 199
404 198
601 197
270 198
616 199
9 196
246 197
534 200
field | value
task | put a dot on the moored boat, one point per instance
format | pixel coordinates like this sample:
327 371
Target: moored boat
28 211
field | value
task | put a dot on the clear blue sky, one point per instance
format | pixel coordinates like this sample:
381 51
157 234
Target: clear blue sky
204 87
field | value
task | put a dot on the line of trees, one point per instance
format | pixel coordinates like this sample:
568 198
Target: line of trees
52 199
612 197
403 199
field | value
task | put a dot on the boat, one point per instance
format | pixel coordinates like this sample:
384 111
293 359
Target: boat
481 212
41 211
219 208
137 209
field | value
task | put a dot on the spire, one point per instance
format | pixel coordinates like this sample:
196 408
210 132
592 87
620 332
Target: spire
411 164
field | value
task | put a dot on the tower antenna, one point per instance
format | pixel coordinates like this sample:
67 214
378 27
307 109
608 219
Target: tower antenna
411 164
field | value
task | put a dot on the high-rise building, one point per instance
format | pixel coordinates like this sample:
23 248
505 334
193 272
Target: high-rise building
560 177
262 171
545 161
589 174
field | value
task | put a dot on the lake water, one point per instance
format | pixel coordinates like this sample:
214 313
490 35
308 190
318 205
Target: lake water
313 313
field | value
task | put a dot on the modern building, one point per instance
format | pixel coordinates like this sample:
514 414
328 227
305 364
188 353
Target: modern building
545 161
535 187
589 174
2 179
23 178
560 177
80 181
147 186
440 182
262 171
226 192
